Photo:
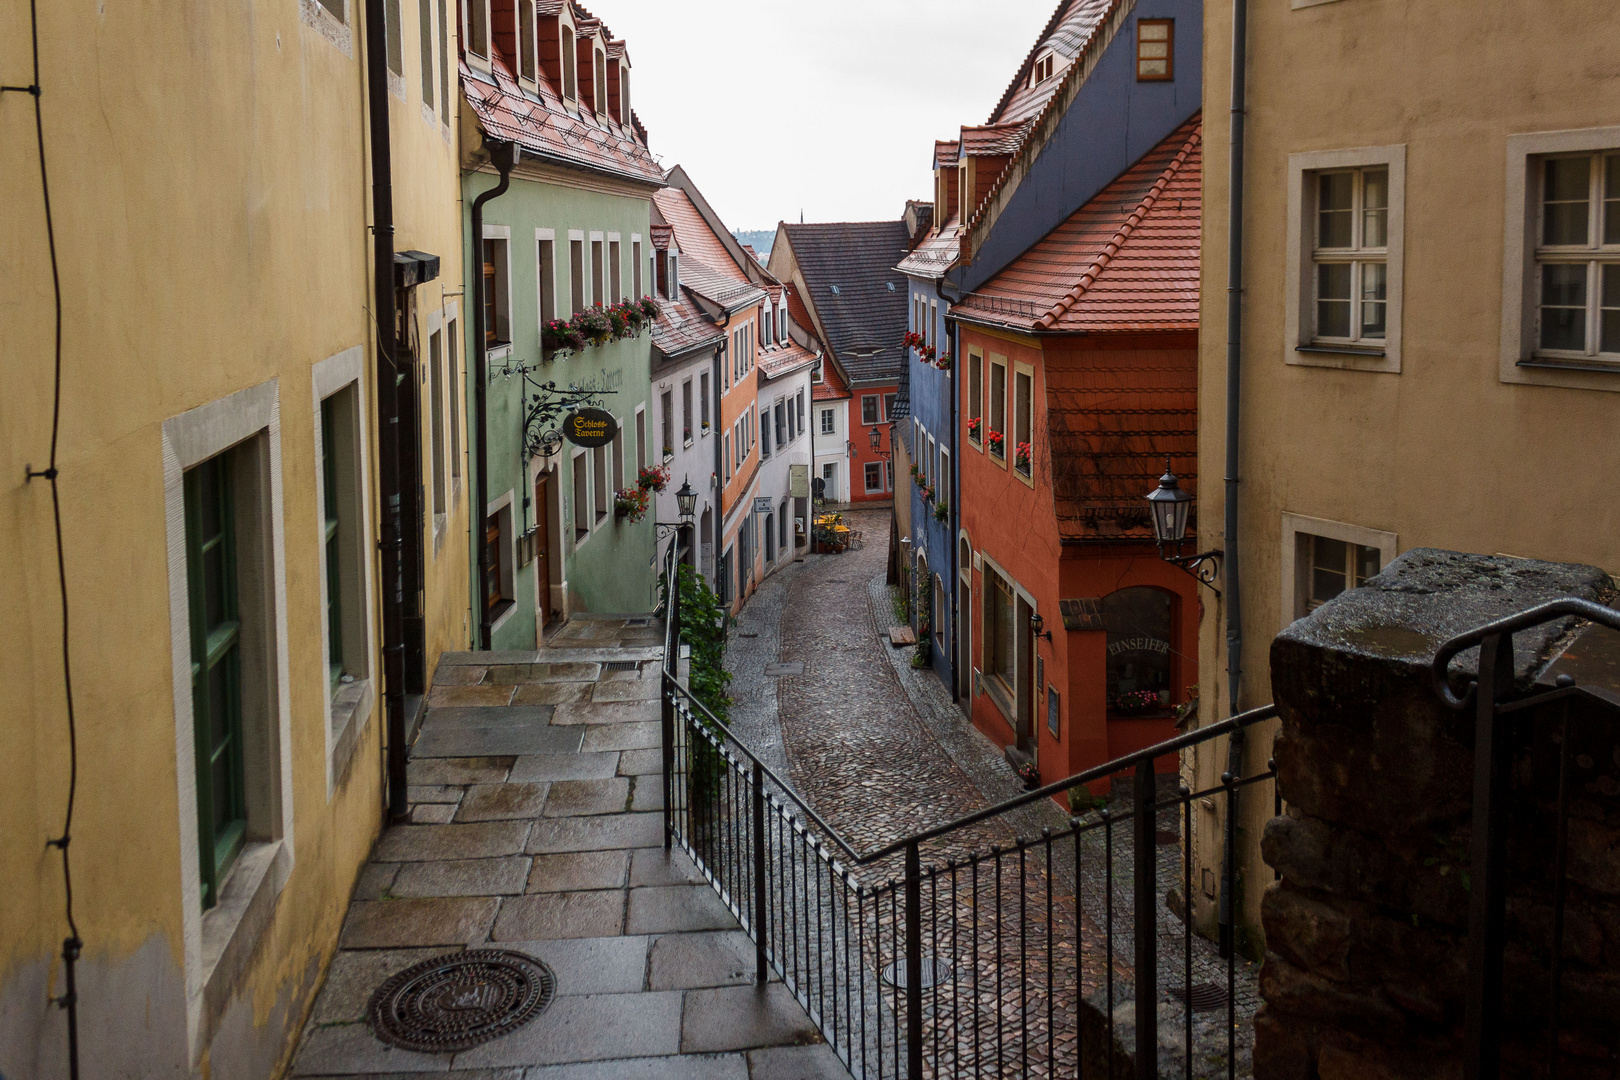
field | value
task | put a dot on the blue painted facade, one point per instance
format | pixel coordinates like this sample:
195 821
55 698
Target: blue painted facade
1111 123
929 434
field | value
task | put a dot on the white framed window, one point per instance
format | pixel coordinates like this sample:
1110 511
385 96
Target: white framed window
1322 558
570 79
476 27
598 268
1043 67
437 436
602 503
1346 226
829 480
526 47
545 277
641 439
829 423
1561 259
975 432
1023 420
576 271
635 266
497 285
453 340
995 422
871 408
874 476
615 270
579 468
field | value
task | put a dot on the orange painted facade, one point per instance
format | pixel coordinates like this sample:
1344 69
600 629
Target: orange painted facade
1029 532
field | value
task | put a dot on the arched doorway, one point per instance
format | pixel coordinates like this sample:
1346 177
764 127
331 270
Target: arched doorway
1141 654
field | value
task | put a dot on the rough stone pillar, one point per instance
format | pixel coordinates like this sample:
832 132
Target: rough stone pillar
1366 932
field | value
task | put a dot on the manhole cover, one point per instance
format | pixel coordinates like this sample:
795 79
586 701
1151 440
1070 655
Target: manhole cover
1166 837
934 972
637 622
460 1000
621 665
1203 997
791 667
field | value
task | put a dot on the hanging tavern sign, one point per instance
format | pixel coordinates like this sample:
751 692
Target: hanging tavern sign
589 427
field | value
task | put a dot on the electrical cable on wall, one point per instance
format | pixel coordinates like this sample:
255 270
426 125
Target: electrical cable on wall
72 944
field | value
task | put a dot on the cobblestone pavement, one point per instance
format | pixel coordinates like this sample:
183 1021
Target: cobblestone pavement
880 750
536 826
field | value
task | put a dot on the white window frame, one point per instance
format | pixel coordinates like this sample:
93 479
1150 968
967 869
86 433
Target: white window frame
503 282
1293 525
545 236
1299 314
505 557
218 943
579 464
1520 282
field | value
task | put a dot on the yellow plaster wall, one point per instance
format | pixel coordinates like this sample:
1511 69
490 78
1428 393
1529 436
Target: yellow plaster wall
209 178
1442 453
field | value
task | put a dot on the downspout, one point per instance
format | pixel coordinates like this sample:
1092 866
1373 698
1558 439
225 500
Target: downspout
392 542
503 155
961 689
1234 411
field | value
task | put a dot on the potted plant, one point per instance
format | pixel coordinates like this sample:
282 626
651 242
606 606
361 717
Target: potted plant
927 493
993 439
942 510
973 425
1136 702
1021 454
649 307
631 504
560 336
1030 775
943 361
653 477
592 324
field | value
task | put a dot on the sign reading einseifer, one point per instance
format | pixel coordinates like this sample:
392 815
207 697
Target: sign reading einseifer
590 427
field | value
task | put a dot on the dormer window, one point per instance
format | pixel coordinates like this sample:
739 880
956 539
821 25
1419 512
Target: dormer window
570 80
1044 67
526 49
962 192
599 82
624 97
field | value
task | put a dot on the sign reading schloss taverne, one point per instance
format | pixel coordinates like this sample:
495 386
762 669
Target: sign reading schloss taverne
590 427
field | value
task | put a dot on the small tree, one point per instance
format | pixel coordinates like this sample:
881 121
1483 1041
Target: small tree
704 621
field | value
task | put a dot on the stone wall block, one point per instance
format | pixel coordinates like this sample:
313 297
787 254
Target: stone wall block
1311 934
1299 992
1414 874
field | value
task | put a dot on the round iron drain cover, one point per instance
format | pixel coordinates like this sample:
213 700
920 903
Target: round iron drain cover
460 1000
1202 997
934 972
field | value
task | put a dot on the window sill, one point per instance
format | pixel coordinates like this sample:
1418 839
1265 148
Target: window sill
1556 363
1344 350
231 929
1000 697
351 707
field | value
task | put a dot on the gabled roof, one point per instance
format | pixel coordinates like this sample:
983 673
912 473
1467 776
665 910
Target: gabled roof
1128 260
859 297
946 153
935 254
993 139
831 387
543 126
682 328
706 267
779 360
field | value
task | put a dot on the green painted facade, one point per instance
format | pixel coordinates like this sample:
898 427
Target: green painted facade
607 567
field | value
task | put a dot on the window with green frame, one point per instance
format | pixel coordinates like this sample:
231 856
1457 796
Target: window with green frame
216 669
334 555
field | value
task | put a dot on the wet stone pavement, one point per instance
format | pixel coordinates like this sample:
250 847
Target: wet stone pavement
536 825
881 752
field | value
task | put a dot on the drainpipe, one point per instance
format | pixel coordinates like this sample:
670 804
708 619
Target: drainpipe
503 155
392 542
961 689
1234 410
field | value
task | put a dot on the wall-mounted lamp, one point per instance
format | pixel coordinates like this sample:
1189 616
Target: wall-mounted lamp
1171 507
1036 625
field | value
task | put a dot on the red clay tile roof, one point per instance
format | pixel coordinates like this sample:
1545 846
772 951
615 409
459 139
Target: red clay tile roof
1125 261
799 313
1110 424
946 153
681 327
543 126
831 387
705 264
993 139
661 236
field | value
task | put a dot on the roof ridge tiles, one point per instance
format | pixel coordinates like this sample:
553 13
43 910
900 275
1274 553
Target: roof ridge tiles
1123 233
1023 68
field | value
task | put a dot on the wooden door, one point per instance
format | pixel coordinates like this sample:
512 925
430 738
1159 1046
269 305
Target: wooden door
542 549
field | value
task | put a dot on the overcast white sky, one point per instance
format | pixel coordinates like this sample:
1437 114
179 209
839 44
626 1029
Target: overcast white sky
830 106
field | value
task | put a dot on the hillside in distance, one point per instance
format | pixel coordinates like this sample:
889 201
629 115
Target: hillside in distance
758 239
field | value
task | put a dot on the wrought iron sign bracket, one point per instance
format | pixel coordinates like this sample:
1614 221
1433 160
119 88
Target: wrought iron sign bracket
1205 566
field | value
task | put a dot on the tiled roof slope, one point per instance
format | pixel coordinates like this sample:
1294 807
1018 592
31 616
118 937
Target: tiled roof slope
778 360
1066 35
993 138
935 254
831 387
705 265
865 314
1112 417
681 327
541 124
1125 261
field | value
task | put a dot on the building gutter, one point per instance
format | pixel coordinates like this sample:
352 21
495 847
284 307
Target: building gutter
504 156
392 542
1234 416
962 689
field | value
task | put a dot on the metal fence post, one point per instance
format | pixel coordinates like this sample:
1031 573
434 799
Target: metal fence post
1487 895
760 863
914 1018
671 668
1145 890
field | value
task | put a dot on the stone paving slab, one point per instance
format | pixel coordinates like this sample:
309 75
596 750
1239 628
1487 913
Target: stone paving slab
795 1063
595 766
546 838
462 877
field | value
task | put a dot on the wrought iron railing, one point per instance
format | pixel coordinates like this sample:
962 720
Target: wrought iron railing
966 949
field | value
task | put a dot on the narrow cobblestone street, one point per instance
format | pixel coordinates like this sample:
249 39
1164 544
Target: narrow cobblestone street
881 752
